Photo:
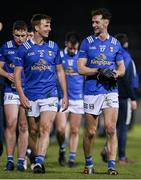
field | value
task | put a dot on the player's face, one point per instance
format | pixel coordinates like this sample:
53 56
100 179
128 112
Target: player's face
30 35
99 25
44 28
72 48
20 36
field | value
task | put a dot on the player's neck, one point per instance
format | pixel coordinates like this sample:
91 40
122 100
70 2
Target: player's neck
38 39
103 36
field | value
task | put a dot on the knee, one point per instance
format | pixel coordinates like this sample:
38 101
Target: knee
111 131
74 131
44 130
23 128
61 131
33 132
91 133
11 126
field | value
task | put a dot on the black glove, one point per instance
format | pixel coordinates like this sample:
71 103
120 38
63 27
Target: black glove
106 75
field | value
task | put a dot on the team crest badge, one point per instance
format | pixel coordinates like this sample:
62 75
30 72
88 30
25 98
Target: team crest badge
50 53
111 49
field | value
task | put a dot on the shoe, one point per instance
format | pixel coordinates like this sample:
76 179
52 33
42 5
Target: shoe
30 156
38 168
88 170
126 161
104 154
25 163
71 164
32 166
9 166
20 167
112 172
62 159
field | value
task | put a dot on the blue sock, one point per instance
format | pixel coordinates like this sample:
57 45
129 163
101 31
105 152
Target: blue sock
21 161
63 148
10 158
40 159
89 161
111 164
72 156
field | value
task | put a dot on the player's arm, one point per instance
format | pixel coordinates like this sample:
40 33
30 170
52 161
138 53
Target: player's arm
2 62
82 61
84 70
4 73
18 84
62 80
120 71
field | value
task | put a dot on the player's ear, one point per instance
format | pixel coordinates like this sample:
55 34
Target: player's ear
36 28
106 22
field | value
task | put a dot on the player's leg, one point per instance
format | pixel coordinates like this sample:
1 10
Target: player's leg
45 124
110 116
91 126
75 120
60 126
11 113
110 110
123 122
92 108
22 139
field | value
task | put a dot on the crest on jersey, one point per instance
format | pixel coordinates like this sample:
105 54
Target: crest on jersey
41 62
50 53
111 49
102 57
70 62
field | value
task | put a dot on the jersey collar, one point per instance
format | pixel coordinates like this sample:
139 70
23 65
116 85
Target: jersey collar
66 52
108 36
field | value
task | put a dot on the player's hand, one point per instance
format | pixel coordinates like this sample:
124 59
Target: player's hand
134 105
24 102
10 76
116 74
65 103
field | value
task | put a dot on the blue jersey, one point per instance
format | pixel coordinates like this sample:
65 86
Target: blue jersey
39 64
128 59
126 84
75 81
99 54
7 55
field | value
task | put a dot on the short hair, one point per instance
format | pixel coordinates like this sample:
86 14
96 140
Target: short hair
30 28
20 25
72 37
102 11
36 19
122 37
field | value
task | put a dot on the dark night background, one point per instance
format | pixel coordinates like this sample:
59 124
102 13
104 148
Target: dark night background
74 15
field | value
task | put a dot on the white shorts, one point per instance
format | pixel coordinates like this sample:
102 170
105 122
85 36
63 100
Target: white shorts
40 105
11 98
75 106
95 104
